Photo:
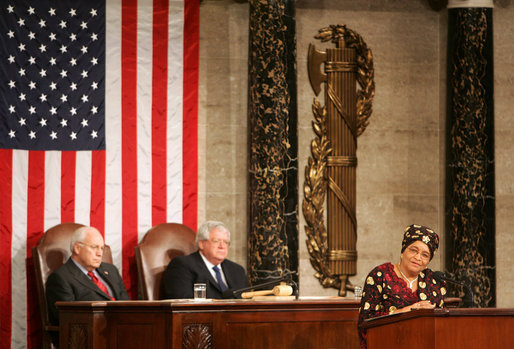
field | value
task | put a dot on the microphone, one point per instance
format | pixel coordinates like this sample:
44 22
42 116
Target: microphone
229 293
441 276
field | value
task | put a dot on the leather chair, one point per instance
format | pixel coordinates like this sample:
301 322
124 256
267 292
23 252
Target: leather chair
158 247
52 251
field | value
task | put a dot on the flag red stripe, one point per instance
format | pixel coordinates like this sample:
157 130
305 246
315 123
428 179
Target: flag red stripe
35 199
190 114
129 142
159 110
68 171
35 228
98 171
6 168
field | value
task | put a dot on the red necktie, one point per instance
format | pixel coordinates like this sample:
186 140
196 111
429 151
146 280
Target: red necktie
99 283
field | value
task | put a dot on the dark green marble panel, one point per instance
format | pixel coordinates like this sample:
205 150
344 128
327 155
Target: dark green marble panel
470 199
272 140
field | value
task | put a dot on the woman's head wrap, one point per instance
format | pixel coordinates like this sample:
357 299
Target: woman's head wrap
424 234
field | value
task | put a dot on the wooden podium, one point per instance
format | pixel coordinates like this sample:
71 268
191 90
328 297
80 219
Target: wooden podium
217 324
443 328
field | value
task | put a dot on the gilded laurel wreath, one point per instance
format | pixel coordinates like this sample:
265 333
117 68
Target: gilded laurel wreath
314 190
315 185
365 71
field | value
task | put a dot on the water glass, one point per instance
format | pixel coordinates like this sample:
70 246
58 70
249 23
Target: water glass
199 291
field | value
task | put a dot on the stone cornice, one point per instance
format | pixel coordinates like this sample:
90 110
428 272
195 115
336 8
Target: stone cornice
470 3
438 5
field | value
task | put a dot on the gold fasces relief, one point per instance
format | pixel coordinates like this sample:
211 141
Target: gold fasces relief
330 172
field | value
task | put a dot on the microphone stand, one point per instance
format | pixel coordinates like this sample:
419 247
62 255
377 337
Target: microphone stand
295 288
231 294
469 301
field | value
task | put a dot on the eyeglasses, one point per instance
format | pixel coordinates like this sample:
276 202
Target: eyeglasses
93 247
220 242
413 251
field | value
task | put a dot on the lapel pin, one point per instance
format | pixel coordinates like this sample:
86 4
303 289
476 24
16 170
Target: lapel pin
106 272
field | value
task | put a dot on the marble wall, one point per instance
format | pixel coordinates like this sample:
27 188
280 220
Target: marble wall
504 152
400 173
222 161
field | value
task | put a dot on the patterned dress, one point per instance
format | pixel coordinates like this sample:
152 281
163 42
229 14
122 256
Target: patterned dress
384 292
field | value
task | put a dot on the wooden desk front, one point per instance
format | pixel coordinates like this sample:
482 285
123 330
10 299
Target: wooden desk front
443 329
305 323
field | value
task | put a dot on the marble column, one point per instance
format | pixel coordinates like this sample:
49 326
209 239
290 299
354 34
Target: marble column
470 187
272 140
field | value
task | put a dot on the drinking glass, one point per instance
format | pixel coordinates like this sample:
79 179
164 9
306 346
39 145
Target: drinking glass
199 291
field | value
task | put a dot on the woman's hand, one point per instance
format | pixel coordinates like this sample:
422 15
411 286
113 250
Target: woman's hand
417 305
422 305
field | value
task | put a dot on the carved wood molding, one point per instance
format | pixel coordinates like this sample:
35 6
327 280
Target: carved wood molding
197 336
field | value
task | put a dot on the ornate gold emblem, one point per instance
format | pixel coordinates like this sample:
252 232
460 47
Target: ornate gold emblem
330 172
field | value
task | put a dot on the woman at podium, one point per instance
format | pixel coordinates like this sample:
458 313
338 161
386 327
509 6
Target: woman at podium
406 285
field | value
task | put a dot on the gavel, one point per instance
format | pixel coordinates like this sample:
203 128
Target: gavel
279 290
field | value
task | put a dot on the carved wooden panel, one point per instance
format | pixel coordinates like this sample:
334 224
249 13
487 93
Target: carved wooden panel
197 336
78 336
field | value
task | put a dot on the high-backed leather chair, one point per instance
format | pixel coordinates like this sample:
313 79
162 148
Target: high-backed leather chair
158 247
52 251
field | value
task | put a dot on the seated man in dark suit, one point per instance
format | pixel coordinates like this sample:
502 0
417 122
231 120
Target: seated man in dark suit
182 272
84 277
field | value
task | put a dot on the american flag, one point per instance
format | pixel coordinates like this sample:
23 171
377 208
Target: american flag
98 125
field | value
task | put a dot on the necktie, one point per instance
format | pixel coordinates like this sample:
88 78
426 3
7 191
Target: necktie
219 279
99 283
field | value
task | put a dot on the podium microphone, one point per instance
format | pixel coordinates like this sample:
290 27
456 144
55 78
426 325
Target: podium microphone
440 276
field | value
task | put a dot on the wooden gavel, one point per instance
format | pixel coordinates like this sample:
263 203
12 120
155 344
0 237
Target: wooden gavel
279 290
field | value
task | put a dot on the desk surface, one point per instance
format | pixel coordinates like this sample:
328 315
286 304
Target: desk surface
213 304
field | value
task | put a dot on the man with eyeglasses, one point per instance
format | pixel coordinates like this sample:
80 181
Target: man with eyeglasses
84 277
207 265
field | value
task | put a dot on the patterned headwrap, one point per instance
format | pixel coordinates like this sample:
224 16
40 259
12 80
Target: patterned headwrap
419 232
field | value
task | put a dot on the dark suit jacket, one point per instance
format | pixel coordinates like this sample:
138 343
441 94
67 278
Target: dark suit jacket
69 283
184 271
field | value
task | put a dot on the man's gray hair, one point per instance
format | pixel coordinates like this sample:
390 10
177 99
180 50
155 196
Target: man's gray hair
205 229
78 236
